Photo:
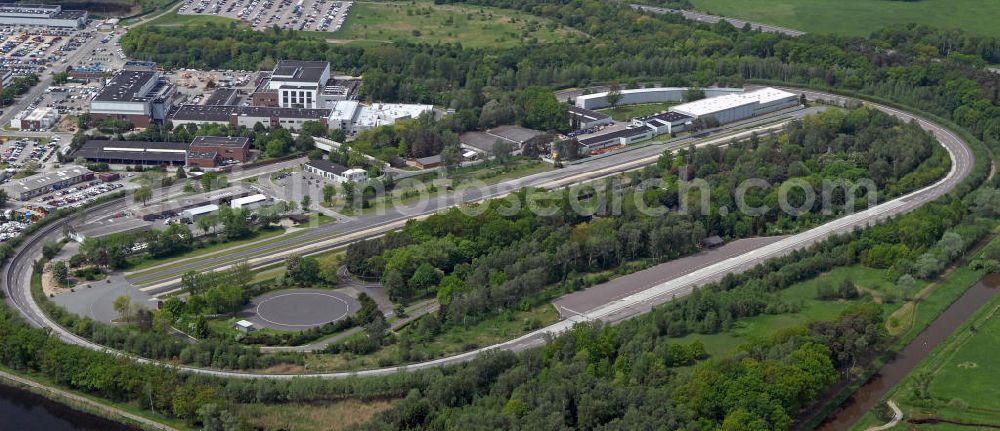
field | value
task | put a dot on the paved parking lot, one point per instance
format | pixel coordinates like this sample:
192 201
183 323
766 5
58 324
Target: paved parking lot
47 51
69 99
18 152
27 51
308 15
79 195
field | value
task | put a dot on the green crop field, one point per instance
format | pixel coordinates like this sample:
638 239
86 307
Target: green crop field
861 17
973 368
424 21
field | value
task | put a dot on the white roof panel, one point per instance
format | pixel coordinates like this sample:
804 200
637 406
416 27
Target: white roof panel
239 202
205 209
713 105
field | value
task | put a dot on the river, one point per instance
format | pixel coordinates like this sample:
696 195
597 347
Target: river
24 411
868 396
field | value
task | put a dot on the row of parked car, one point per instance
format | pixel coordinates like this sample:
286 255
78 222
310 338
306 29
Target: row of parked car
586 131
10 229
80 195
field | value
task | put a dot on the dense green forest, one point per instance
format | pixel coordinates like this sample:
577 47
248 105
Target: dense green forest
627 376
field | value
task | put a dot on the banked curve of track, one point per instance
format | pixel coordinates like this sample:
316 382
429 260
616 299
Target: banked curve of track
18 291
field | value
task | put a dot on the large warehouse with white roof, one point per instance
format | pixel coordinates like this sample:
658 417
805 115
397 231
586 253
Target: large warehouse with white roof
647 95
735 107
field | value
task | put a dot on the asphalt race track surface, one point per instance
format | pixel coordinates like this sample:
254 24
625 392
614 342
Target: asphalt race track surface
300 309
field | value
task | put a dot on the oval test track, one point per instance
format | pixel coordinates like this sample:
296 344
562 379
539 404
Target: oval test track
347 309
18 290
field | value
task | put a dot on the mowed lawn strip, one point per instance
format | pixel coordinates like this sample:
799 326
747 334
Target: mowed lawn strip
173 19
628 112
152 266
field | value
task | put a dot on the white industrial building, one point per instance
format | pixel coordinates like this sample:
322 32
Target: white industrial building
343 115
193 214
381 114
352 117
648 95
250 202
298 83
334 172
631 135
735 107
41 15
726 108
40 118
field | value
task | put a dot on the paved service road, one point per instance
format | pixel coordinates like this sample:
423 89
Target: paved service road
738 23
17 272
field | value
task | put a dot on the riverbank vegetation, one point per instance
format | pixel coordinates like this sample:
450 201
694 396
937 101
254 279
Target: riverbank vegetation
953 386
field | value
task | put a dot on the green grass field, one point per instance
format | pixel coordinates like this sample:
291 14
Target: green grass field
811 309
424 21
861 17
971 368
174 19
454 340
628 112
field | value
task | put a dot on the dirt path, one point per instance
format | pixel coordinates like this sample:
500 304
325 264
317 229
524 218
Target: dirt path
897 415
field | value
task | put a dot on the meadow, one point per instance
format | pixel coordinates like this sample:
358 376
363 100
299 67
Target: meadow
861 17
423 21
870 282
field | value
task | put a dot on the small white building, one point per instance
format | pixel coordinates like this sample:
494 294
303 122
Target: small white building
192 215
250 202
334 172
41 118
343 115
244 326
582 118
664 122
